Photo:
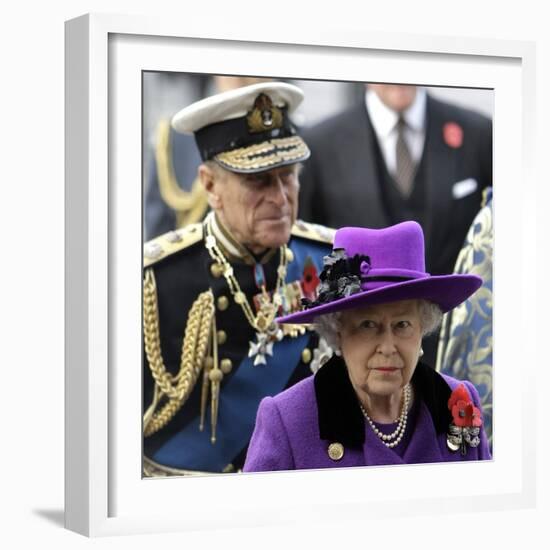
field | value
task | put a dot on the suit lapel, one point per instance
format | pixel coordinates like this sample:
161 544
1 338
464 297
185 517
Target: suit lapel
439 162
358 163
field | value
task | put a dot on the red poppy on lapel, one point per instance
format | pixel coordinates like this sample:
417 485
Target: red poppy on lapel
465 413
460 393
453 135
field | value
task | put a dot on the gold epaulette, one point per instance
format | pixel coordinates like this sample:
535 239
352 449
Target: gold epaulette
161 247
313 231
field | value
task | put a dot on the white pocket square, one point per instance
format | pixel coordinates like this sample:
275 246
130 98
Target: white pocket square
464 187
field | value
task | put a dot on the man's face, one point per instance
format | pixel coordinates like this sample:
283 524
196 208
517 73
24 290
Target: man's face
259 209
395 96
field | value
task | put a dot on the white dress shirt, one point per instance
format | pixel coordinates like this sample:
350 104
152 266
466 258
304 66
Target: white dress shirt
384 121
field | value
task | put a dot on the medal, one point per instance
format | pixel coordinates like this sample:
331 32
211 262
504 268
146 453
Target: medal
267 330
465 429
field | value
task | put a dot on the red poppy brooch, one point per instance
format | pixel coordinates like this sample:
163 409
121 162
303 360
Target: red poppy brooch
464 430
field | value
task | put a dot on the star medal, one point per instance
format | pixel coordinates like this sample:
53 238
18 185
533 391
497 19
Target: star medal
465 428
268 330
259 349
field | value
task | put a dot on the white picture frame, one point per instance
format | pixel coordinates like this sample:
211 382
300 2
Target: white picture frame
105 493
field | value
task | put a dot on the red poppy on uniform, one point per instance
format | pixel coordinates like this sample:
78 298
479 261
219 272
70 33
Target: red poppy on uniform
310 279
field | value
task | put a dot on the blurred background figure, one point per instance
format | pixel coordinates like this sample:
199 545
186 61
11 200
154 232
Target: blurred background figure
402 155
466 343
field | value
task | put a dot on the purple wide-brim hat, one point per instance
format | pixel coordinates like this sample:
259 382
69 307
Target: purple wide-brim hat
375 266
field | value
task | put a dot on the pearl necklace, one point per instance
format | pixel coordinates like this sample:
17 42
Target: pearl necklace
399 432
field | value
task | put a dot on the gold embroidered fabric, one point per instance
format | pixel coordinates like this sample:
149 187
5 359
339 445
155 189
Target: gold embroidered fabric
189 206
466 341
264 155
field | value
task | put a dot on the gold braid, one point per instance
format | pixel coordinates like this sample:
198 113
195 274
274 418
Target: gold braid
195 343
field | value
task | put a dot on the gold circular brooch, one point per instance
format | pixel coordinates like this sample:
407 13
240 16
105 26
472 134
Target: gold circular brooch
335 451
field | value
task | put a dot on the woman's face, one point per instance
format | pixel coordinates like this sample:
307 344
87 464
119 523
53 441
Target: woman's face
380 345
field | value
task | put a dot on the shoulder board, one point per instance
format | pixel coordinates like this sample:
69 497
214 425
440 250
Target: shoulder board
313 232
161 247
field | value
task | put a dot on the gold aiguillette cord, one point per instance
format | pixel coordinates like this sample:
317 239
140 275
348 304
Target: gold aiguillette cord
215 376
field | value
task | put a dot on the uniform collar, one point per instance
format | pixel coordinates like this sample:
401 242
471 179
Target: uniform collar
340 418
231 248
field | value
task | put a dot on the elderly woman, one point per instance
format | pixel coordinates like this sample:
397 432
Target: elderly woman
373 402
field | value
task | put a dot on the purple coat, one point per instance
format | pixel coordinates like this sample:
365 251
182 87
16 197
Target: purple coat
295 428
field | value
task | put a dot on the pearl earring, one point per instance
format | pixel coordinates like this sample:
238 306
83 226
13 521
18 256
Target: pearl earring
421 352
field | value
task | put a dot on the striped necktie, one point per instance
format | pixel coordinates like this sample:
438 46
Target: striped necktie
405 167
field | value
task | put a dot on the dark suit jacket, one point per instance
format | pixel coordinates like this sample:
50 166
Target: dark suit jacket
341 183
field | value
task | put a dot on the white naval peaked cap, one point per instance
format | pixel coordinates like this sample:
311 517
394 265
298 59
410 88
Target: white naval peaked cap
234 104
248 129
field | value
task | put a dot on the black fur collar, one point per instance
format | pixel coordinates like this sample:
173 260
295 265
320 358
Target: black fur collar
341 419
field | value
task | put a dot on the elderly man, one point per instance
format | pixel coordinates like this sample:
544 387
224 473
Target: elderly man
174 194
212 290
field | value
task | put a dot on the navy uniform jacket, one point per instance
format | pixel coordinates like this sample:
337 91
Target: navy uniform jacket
182 270
340 183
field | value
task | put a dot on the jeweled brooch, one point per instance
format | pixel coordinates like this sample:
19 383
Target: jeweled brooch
466 425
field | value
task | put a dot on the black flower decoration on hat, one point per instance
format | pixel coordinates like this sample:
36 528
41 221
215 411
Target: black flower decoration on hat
340 278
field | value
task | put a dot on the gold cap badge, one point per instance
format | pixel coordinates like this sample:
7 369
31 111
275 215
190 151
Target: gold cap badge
264 116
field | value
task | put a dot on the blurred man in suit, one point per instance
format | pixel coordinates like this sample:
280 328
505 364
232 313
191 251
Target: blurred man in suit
400 155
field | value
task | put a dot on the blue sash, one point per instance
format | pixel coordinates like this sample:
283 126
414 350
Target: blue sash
192 449
240 396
